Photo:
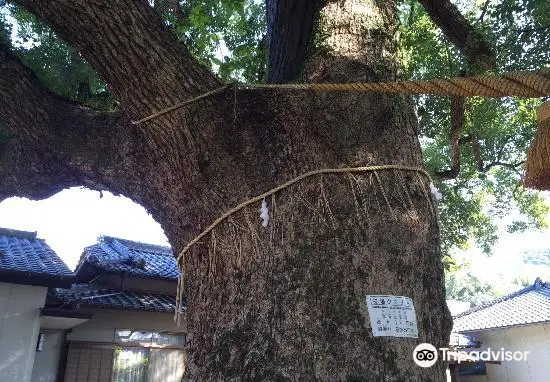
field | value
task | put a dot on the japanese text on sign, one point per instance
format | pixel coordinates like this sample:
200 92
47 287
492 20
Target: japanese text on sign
392 316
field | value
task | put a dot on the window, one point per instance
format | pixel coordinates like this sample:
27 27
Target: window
130 365
148 356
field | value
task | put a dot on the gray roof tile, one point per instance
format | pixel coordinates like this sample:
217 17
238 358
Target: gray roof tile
527 306
119 256
100 296
26 259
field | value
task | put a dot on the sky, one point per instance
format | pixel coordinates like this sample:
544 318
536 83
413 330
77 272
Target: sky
75 217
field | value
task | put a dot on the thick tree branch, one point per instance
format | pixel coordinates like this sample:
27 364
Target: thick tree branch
516 167
459 31
290 24
52 143
144 64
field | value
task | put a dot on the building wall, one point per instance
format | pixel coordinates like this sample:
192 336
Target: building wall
101 328
46 362
19 324
533 338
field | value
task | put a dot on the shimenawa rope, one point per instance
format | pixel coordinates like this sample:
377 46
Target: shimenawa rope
518 84
289 183
179 293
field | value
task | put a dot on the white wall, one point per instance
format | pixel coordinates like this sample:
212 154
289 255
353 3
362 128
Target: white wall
533 338
46 362
19 325
101 328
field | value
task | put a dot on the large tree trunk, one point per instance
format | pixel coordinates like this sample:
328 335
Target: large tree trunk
286 302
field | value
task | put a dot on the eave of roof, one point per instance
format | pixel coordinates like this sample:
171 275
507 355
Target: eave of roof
98 296
527 306
36 279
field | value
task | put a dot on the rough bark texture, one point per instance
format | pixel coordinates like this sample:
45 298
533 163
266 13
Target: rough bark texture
285 303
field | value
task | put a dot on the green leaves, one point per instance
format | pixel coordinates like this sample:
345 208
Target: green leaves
58 66
226 36
464 286
497 134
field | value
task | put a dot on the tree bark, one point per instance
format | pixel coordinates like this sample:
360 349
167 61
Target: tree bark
54 143
287 302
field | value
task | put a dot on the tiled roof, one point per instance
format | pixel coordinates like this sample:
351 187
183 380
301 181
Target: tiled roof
98 296
25 259
527 306
113 255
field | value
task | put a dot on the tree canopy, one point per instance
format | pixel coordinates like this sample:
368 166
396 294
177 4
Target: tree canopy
230 37
497 133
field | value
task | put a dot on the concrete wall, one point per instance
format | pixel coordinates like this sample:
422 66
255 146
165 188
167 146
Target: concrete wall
46 362
533 338
19 325
101 328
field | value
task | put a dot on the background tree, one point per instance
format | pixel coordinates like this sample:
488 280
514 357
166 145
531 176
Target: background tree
463 286
485 185
285 303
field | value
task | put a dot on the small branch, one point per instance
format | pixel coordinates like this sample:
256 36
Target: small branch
484 10
532 30
162 6
511 166
459 31
480 165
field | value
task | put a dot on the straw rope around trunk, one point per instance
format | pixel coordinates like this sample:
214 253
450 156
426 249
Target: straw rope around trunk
517 84
345 170
532 84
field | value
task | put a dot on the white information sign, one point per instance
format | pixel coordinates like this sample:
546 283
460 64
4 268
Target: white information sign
392 316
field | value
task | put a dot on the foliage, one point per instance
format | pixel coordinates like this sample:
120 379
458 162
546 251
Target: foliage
463 286
58 66
474 202
228 36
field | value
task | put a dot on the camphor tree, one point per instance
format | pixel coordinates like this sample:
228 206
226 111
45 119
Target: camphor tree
284 302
